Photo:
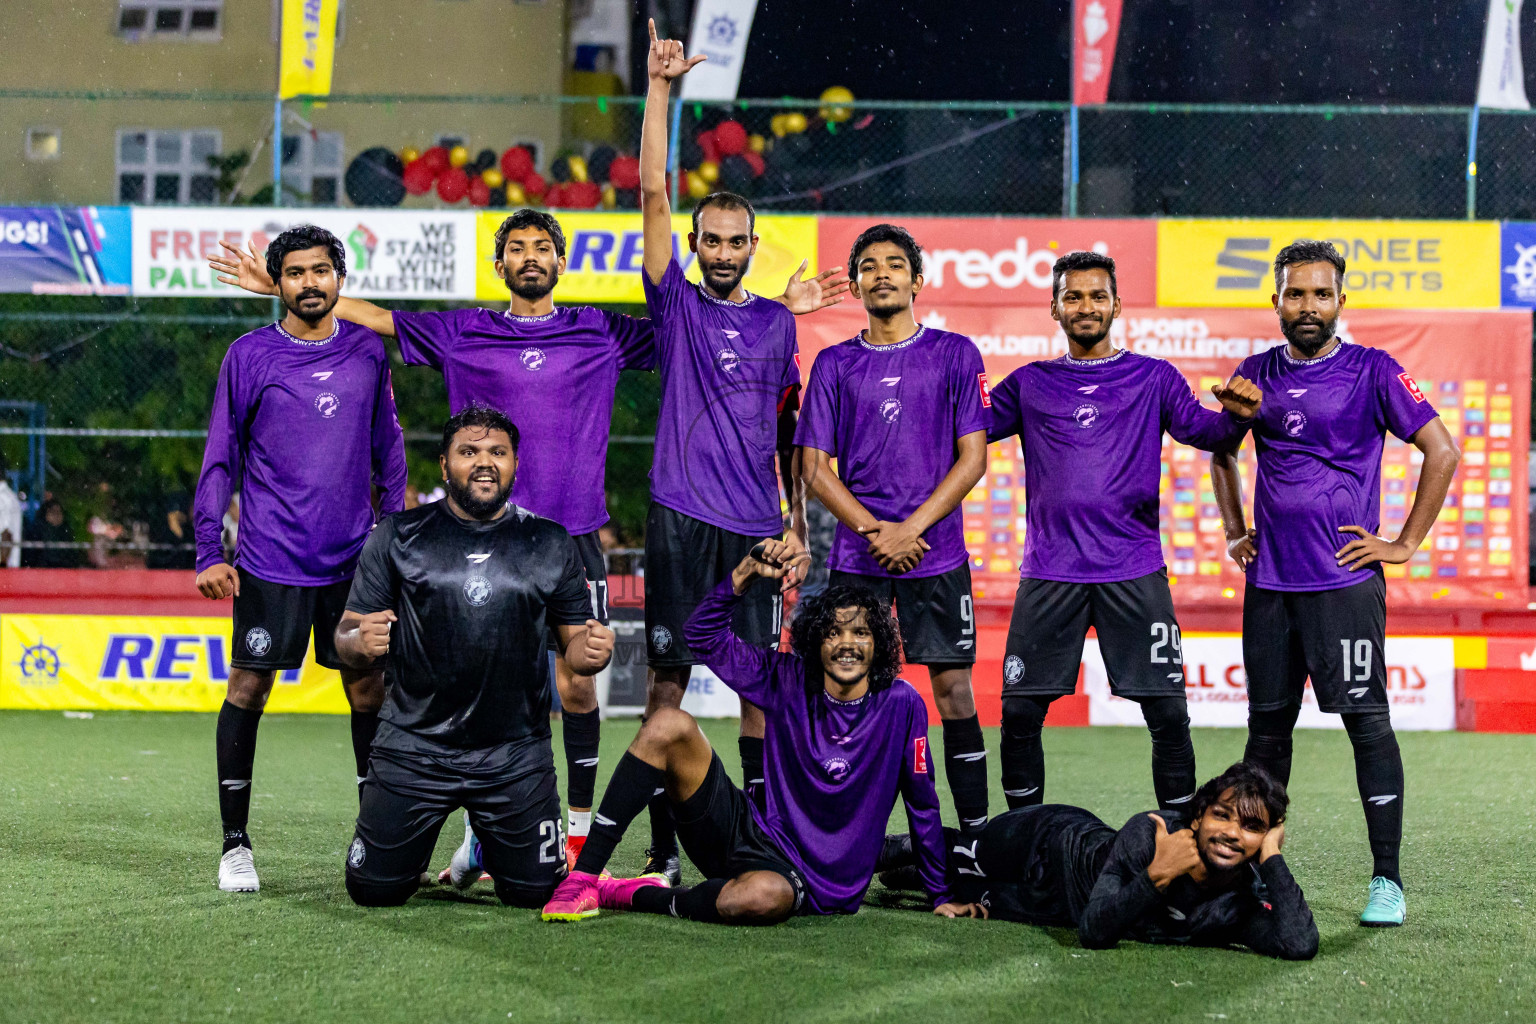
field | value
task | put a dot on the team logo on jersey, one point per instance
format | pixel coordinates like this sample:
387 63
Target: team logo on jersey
1013 669
327 404
1086 415
477 590
357 854
532 358
728 360
1295 421
258 641
730 334
661 639
1412 386
986 390
920 756
890 409
837 768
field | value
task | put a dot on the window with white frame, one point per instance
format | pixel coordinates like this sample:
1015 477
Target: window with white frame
167 167
312 167
188 19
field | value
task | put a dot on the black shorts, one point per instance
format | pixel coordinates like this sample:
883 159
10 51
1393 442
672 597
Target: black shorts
407 798
273 623
937 613
591 551
686 558
1138 637
1338 637
716 829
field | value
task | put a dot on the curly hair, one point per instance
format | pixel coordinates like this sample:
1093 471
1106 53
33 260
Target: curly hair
1309 250
1252 787
482 416
305 236
815 619
536 219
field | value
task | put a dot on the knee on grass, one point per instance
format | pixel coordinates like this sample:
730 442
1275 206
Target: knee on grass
757 897
373 894
528 897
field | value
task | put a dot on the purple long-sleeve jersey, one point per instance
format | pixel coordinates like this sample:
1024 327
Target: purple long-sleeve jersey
834 768
301 429
1092 435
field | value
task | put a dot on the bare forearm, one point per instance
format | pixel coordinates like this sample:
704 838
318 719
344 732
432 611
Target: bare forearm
1434 482
957 483
790 469
653 139
359 311
821 481
349 647
1227 482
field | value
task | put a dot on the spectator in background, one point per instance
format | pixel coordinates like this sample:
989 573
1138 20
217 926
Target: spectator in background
171 533
49 527
231 529
10 523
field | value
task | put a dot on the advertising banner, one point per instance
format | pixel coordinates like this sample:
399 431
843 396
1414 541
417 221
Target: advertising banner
1421 684
1095 30
391 254
308 47
1501 79
604 252
720 30
1476 553
65 250
1006 261
1392 264
148 663
1517 263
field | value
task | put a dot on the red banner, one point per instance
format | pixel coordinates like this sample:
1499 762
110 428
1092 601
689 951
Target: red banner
1095 29
1475 367
1006 261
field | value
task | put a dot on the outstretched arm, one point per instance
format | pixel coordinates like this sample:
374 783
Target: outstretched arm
664 63
1191 423
244 268
747 669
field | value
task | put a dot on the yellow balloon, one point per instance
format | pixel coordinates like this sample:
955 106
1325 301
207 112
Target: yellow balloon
795 122
610 197
493 177
409 153
777 126
698 188
458 156
515 194
709 171
756 143
834 104
578 166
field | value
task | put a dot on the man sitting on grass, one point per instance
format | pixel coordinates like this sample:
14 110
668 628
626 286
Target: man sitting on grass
1219 880
844 737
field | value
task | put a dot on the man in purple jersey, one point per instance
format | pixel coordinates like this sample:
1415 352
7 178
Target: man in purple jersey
902 408
1309 609
844 738
303 426
729 379
1091 427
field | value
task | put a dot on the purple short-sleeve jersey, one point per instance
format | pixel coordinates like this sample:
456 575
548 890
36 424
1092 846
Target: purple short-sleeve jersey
890 415
301 429
1319 438
1092 436
725 368
554 376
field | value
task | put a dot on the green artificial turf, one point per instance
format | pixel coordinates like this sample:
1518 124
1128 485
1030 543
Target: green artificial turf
109 843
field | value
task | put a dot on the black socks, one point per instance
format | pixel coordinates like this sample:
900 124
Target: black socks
695 903
751 749
965 768
364 725
1173 755
235 751
1023 754
1379 774
582 732
633 785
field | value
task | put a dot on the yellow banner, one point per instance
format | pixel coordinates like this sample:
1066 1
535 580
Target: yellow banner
308 47
603 253
139 664
1392 264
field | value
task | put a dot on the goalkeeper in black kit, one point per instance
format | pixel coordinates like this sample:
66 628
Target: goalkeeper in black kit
1217 879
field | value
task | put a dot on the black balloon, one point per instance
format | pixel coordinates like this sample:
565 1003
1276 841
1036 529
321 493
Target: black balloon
374 178
599 163
498 198
736 175
484 160
627 198
560 169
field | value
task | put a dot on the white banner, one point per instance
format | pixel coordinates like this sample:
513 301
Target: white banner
391 254
1421 683
1501 82
720 29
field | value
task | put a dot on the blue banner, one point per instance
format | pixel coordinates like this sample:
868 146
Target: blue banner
1517 264
66 250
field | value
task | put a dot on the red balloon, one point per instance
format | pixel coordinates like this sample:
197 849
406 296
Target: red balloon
479 192
534 184
418 177
708 146
436 158
583 195
517 164
555 196
453 185
624 172
755 161
730 138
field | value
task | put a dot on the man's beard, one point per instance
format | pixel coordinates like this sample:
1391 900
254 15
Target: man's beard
312 318
724 291
1323 337
477 509
532 291
1086 340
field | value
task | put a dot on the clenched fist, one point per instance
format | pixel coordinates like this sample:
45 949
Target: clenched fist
1239 397
373 632
1175 854
589 651
218 581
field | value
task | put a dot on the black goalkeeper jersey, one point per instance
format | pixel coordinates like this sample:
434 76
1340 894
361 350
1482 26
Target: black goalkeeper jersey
466 667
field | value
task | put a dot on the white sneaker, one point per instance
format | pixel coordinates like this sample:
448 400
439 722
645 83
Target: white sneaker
463 870
237 871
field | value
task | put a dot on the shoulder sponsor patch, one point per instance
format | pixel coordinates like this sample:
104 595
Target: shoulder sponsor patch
986 390
920 756
1412 386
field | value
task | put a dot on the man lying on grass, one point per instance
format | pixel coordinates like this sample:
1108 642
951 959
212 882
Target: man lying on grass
1217 881
844 738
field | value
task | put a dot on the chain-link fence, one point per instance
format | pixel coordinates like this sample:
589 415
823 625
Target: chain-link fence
790 155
